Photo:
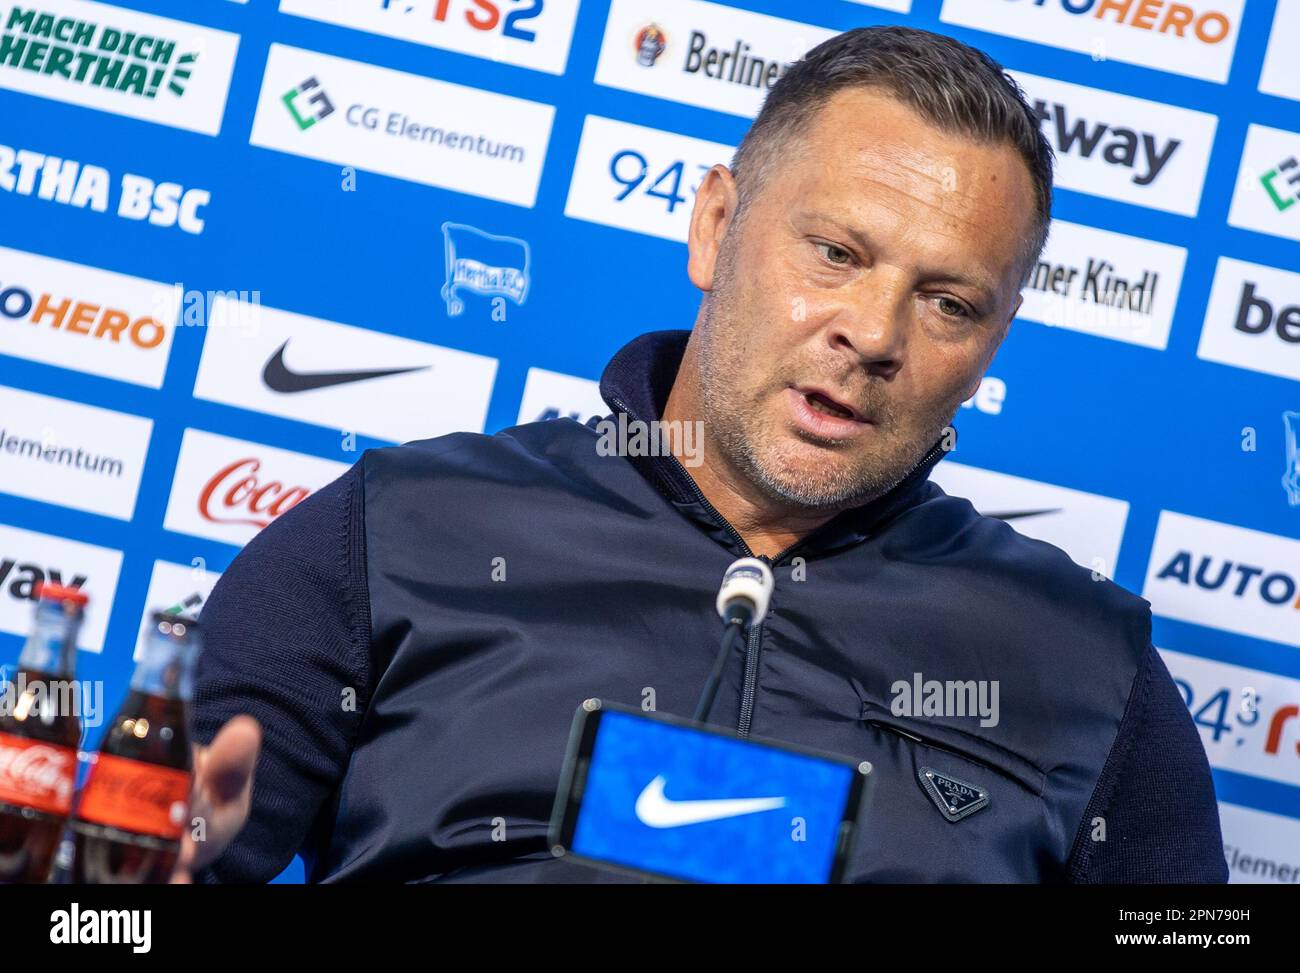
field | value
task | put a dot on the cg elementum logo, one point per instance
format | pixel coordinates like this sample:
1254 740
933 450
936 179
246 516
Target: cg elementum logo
316 97
1289 169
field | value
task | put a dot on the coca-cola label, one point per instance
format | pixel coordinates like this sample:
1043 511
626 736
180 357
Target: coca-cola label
236 495
135 796
228 489
36 774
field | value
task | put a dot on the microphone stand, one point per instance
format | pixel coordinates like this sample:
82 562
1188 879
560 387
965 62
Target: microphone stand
734 631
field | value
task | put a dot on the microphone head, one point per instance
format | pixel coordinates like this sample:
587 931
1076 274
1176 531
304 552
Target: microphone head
747 589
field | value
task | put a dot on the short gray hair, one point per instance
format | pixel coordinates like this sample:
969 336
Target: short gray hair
953 86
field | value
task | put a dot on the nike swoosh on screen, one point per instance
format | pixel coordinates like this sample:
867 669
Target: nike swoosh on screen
655 810
280 378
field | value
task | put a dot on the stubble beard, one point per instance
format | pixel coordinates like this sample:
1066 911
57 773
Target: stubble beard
768 458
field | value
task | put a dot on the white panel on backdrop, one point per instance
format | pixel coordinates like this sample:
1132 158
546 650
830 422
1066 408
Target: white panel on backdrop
1192 37
95 321
27 557
533 36
75 455
901 6
118 60
1088 527
228 489
402 125
1261 848
1225 577
1247 719
1106 284
550 395
699 53
1281 73
178 588
1119 147
1267 196
1252 319
335 375
639 179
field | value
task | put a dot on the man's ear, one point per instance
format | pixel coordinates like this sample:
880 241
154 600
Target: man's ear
715 208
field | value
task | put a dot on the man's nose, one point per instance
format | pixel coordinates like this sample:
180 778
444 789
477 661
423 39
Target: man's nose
873 329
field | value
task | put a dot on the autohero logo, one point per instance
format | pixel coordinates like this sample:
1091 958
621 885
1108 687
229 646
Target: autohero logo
1226 577
1195 38
75 926
71 183
118 60
67 315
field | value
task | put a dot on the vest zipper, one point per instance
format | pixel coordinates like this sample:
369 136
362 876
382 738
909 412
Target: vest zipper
753 646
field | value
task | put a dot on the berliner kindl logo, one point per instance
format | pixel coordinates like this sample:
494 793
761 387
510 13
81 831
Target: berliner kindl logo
650 43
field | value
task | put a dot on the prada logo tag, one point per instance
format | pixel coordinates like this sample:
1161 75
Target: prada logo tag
955 798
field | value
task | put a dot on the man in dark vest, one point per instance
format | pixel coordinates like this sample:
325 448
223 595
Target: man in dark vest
392 666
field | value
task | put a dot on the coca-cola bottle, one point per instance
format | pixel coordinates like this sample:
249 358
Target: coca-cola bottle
134 806
39 733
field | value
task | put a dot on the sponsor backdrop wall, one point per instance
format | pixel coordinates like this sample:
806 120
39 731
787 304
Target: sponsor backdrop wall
242 242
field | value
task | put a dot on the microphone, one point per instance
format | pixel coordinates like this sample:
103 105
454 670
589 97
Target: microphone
742 603
745 592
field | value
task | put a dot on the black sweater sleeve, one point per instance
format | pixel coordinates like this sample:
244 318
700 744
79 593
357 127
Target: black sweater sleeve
286 639
1155 797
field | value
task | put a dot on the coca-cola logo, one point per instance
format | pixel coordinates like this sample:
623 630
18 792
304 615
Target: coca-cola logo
142 787
37 769
236 495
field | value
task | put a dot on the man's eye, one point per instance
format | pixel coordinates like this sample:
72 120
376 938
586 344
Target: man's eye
951 308
836 255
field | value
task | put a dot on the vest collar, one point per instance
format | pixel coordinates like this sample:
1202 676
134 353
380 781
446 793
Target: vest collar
637 381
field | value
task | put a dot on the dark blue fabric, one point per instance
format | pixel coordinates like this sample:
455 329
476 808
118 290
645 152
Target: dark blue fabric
417 703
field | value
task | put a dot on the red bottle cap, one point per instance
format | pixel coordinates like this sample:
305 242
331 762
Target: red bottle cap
48 591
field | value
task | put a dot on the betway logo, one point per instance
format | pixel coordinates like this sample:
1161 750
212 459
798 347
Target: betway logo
1124 148
1226 577
1143 154
1252 319
1191 37
20 580
27 558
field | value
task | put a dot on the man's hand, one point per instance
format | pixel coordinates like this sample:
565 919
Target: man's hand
221 793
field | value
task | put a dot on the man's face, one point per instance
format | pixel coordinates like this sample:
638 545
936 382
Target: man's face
858 302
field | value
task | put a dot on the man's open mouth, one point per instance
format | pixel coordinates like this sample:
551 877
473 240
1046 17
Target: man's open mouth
823 403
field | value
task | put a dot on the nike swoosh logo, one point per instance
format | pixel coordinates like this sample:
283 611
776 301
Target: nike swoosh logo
1021 514
279 377
656 811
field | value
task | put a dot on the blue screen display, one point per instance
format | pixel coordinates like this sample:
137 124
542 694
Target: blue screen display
698 806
